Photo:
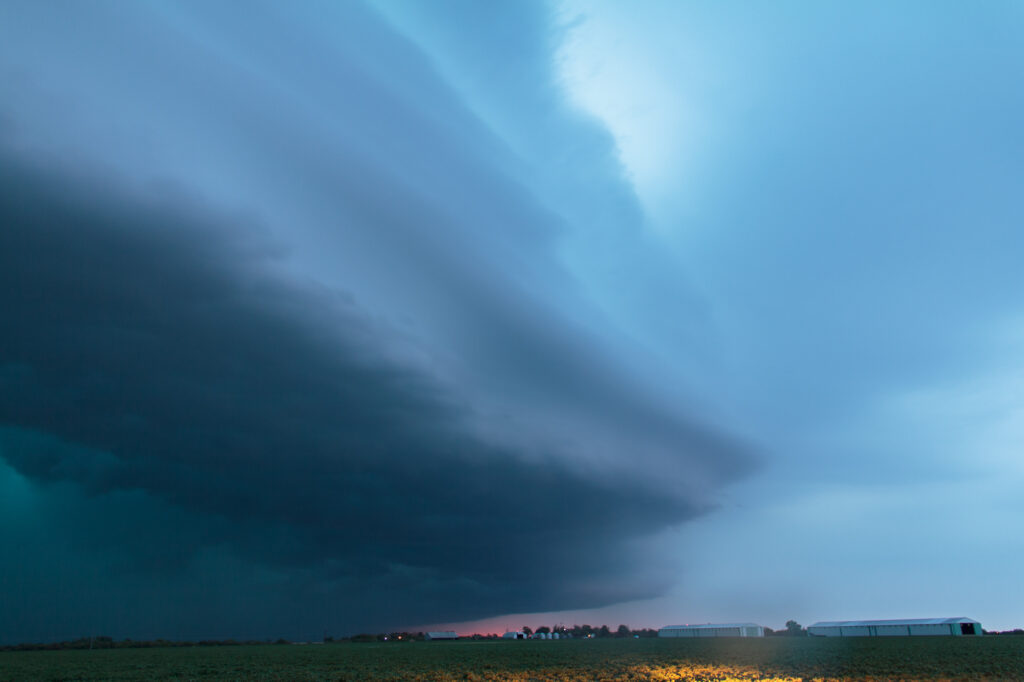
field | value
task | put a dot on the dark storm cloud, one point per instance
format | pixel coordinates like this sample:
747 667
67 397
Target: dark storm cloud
337 131
202 413
153 346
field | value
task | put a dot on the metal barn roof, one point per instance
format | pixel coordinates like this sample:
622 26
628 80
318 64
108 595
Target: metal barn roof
706 626
900 621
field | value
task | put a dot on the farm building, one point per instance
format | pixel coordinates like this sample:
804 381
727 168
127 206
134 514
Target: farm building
514 635
445 634
910 627
713 630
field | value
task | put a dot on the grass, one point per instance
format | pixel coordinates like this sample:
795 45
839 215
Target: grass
775 659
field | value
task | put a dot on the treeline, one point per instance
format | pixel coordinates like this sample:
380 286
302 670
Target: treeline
586 631
576 631
103 642
792 629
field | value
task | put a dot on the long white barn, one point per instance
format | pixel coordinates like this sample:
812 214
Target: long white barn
713 630
444 634
910 627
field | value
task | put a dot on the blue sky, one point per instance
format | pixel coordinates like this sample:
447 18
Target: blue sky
366 316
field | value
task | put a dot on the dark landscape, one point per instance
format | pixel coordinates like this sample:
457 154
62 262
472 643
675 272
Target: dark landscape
781 659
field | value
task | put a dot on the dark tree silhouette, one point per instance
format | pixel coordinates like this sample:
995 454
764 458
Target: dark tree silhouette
794 628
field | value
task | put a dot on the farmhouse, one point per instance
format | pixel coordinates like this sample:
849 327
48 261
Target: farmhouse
910 627
713 630
445 634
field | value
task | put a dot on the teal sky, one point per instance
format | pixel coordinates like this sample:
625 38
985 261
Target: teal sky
344 317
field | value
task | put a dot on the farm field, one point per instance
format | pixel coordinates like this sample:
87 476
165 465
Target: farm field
778 659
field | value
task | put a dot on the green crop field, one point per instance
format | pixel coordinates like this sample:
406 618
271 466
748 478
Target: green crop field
777 658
